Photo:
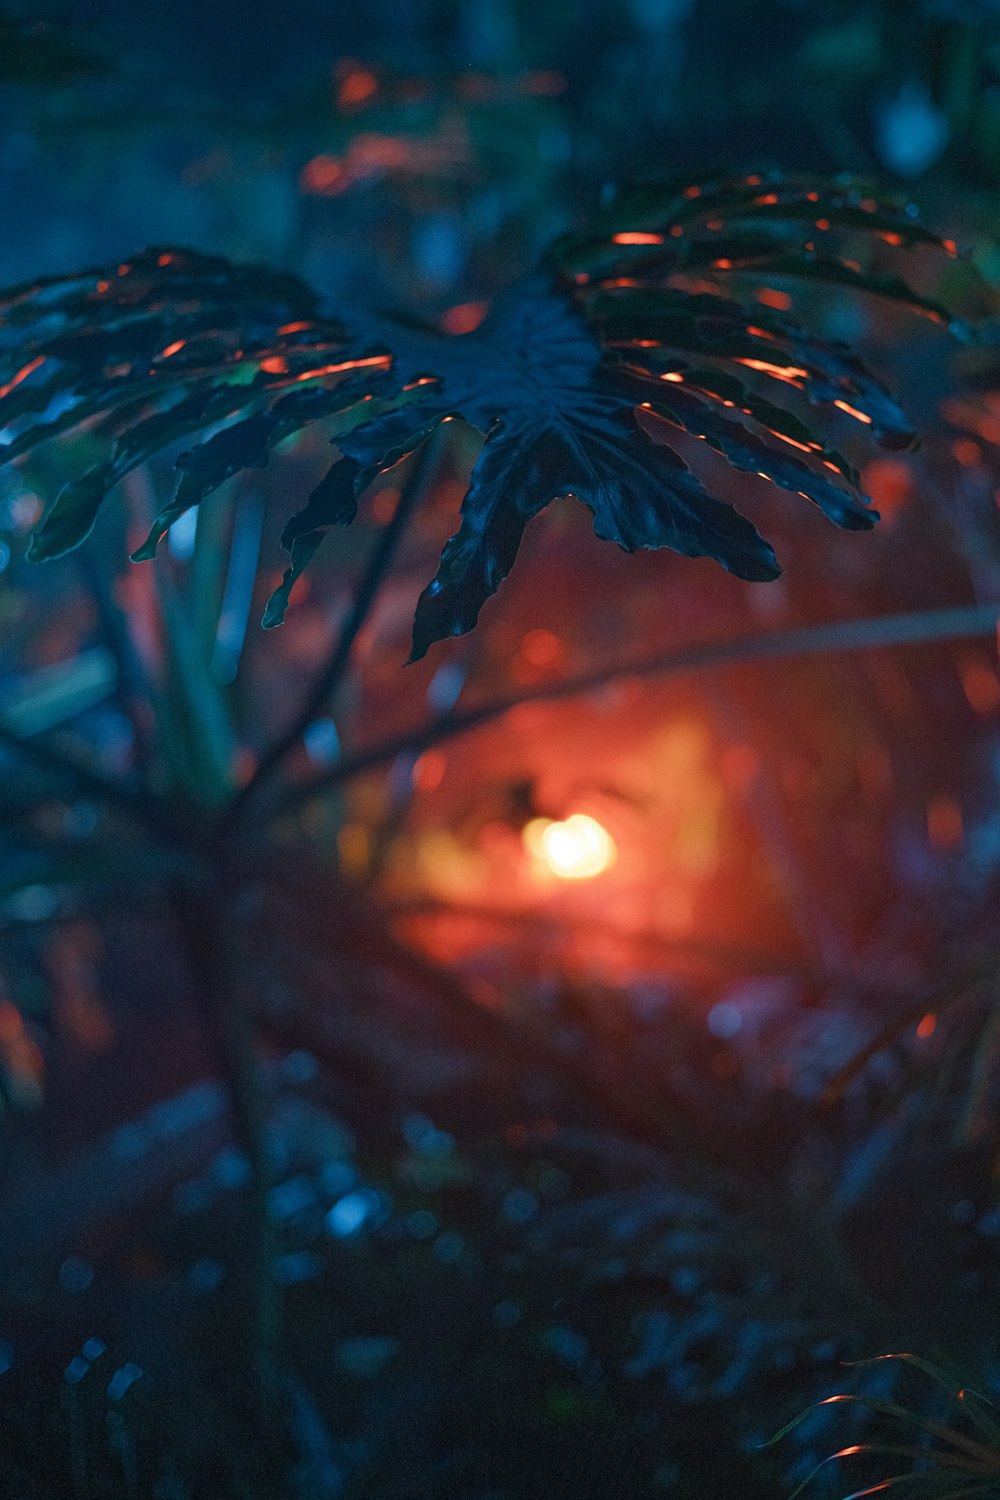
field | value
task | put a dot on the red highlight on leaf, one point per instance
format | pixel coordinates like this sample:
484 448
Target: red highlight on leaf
791 373
852 411
378 361
22 374
771 297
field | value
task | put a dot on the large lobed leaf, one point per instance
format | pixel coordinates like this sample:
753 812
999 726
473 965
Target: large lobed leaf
580 377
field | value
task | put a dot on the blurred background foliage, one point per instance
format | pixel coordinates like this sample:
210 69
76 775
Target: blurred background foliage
399 1164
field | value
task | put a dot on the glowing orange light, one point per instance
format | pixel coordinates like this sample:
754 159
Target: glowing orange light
927 1026
102 286
892 239
790 373
692 192
165 260
11 1025
945 826
429 770
276 365
980 683
822 224
673 375
22 374
356 87
890 484
677 231
21 1057
294 327
465 317
636 237
852 411
773 298
950 246
740 765
172 348
382 361
967 453
323 174
576 849
767 198
354 848
723 265
542 649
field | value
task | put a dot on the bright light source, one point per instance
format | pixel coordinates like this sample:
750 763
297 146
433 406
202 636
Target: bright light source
577 849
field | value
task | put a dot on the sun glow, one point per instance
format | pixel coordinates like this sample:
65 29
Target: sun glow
577 849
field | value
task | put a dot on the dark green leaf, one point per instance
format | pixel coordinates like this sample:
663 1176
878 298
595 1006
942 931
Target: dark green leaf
553 373
744 451
334 502
642 495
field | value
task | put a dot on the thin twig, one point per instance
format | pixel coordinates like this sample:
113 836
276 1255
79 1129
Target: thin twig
60 763
131 688
204 925
328 681
922 627
946 993
724 955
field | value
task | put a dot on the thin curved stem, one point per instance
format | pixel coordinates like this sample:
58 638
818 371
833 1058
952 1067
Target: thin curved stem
131 688
922 627
44 757
731 956
203 921
328 681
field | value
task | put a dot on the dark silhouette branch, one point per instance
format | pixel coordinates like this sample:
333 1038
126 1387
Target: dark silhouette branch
922 627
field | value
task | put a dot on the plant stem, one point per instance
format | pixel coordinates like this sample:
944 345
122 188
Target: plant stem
132 690
842 635
202 918
414 491
61 764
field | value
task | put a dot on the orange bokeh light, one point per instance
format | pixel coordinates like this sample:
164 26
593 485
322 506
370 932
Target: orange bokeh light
576 849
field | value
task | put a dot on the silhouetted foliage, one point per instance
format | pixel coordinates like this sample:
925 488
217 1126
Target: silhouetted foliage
577 378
